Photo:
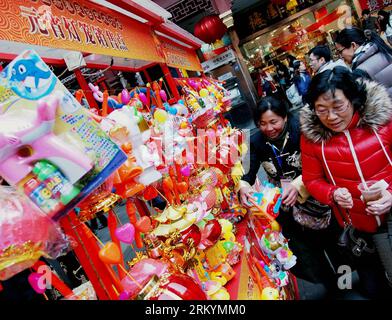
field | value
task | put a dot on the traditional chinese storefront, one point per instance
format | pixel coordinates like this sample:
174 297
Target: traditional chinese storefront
113 34
298 33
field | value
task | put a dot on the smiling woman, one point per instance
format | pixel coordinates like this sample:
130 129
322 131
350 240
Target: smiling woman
347 139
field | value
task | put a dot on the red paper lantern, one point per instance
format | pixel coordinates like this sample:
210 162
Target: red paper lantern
210 28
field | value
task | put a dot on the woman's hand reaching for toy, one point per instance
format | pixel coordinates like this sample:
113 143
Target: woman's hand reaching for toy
290 194
246 193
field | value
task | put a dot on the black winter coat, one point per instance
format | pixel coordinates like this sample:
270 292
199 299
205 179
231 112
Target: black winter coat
261 153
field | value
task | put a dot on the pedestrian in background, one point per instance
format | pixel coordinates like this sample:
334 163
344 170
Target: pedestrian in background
301 77
385 23
368 21
320 59
367 54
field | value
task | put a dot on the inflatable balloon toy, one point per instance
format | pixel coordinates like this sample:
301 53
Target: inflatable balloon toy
200 208
162 94
97 93
142 271
125 97
160 116
143 98
113 103
216 291
173 111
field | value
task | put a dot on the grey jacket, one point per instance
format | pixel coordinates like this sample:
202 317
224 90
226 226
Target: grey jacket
331 64
375 64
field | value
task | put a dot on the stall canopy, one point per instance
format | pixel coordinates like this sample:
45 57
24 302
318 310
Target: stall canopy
129 36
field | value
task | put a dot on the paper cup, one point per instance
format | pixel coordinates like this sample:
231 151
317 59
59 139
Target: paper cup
371 192
284 183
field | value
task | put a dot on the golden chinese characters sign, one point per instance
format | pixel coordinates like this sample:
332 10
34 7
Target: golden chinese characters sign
179 57
76 25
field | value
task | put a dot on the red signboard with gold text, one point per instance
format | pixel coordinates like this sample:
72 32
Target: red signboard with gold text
76 25
179 57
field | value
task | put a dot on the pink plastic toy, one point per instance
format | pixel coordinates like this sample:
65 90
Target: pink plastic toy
23 142
98 95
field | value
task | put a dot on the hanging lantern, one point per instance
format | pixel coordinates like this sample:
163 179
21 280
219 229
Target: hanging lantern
210 28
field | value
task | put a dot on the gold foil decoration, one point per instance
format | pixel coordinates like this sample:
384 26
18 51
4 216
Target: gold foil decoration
21 253
105 204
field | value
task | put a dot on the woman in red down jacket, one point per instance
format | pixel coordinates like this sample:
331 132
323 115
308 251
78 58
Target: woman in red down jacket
347 138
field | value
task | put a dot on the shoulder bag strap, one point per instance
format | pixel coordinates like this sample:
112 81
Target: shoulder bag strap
389 220
356 162
326 164
346 219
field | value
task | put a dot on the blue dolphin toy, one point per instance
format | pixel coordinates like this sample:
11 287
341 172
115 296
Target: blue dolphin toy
23 69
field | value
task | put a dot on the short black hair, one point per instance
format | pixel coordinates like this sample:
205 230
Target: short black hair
277 106
337 78
365 11
291 59
296 64
321 51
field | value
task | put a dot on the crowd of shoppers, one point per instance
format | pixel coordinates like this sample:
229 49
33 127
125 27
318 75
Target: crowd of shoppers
326 150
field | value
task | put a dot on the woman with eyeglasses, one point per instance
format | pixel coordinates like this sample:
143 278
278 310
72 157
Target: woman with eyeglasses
346 141
276 147
367 54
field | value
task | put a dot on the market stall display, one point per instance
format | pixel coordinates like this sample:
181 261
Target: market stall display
191 242
161 152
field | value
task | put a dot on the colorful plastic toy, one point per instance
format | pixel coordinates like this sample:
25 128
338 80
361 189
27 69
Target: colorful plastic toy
23 142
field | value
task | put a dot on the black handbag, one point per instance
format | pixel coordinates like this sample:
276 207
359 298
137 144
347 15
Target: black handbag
351 242
312 214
